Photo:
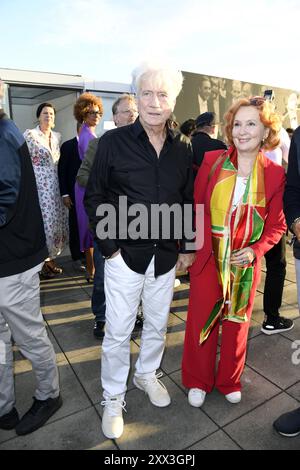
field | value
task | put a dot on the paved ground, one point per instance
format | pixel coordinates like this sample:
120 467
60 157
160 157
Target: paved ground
271 382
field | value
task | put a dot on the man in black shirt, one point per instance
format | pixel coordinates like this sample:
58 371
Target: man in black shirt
203 139
137 169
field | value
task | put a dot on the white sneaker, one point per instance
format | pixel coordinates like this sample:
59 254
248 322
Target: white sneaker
112 419
234 397
154 388
196 397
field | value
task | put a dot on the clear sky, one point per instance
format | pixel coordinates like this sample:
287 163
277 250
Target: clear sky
254 40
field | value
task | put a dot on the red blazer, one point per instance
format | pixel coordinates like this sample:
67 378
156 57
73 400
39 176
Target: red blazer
275 225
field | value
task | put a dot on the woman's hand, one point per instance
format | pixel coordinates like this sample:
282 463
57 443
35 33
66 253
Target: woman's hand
67 201
185 260
243 257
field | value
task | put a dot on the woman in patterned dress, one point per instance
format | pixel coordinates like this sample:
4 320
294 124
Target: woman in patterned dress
88 110
43 145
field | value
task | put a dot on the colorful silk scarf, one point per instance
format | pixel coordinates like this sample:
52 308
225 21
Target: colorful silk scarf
233 230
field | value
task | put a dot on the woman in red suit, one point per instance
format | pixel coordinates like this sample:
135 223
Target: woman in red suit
241 191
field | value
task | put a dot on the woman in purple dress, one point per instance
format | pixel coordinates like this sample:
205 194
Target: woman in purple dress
88 110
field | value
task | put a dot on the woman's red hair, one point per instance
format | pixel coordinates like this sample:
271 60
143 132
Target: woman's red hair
268 117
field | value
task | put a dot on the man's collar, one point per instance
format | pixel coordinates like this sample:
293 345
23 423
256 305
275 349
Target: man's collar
139 130
200 132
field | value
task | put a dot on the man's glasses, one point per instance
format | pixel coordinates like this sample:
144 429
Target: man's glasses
257 100
128 111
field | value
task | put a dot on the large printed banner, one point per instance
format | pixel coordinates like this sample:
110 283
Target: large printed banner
203 93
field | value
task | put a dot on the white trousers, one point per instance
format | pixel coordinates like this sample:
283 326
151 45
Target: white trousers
21 317
123 290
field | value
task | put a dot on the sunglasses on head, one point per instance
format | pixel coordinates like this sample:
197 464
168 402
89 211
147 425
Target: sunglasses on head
257 100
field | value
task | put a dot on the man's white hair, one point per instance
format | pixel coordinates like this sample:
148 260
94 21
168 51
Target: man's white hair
161 76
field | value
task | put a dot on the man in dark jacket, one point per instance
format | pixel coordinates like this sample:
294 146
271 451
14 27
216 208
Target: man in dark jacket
68 166
288 424
22 253
203 138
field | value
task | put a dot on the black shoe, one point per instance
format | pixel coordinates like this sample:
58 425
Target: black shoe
288 424
276 325
139 322
38 414
10 420
99 329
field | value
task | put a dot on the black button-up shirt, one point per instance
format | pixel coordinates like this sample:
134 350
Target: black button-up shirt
126 164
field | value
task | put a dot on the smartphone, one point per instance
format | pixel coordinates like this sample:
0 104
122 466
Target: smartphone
269 95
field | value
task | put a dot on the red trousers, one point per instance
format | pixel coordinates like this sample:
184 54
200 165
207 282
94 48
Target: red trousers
199 361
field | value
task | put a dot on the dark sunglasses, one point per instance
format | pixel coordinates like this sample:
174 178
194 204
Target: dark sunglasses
94 113
257 100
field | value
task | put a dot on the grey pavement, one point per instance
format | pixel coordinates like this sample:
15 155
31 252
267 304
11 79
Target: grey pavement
271 382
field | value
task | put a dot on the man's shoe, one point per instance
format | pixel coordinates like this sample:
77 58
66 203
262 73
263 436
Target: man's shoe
276 325
288 424
112 419
139 322
9 420
99 329
154 388
196 397
38 414
234 397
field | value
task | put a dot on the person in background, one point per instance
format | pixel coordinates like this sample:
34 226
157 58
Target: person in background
276 258
242 191
217 104
150 164
22 252
291 117
88 111
290 132
188 127
203 139
236 90
204 93
246 90
288 424
124 112
68 166
43 145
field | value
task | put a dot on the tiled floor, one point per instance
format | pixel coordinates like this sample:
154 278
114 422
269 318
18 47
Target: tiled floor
271 382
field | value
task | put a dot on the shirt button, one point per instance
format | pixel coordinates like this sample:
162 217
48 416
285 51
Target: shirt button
155 245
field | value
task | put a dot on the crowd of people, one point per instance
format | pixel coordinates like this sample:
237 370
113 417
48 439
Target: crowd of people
52 195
